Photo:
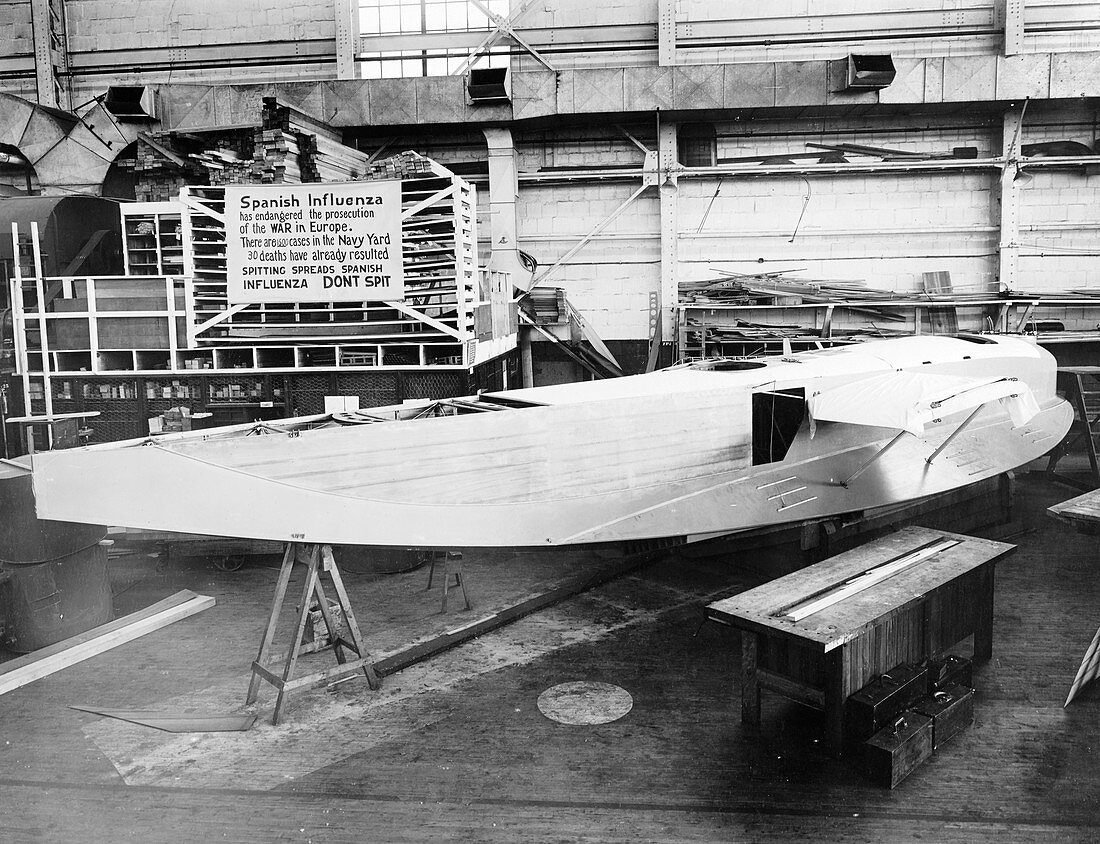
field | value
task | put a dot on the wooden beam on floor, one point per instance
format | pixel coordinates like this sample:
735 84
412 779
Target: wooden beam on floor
49 660
420 651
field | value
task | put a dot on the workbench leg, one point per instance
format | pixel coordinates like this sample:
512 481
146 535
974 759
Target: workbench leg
836 694
930 638
983 621
272 621
750 687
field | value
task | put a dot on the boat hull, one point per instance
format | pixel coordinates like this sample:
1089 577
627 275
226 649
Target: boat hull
671 457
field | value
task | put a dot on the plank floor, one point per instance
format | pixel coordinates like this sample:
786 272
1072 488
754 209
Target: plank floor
455 749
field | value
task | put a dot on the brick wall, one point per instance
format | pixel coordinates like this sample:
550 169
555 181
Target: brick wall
884 230
15 24
610 279
1059 231
130 24
586 13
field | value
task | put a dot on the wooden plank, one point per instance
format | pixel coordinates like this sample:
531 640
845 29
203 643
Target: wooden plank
750 688
533 603
837 689
49 660
1083 512
176 722
792 689
868 579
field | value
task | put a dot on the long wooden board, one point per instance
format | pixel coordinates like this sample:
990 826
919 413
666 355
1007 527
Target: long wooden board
764 608
176 722
34 666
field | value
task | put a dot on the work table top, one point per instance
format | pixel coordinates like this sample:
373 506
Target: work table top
762 608
1084 509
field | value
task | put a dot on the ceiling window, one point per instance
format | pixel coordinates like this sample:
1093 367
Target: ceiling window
423 17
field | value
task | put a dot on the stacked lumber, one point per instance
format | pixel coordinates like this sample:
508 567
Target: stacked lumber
287 118
293 139
771 289
159 172
166 161
277 157
331 161
547 305
405 165
224 167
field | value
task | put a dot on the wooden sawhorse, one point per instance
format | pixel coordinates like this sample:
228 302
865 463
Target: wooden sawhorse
319 560
452 567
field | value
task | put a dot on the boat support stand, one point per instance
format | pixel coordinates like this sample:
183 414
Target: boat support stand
319 561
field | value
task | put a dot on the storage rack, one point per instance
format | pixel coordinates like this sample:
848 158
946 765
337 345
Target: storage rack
152 238
435 326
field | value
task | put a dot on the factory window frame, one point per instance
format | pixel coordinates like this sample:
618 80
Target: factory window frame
697 145
424 17
776 419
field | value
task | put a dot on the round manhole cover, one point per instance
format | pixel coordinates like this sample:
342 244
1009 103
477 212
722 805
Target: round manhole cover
585 702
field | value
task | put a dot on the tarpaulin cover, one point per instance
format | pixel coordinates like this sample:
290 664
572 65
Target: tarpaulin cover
909 401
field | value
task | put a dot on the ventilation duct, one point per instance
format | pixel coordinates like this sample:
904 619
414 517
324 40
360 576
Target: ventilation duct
131 103
488 85
869 73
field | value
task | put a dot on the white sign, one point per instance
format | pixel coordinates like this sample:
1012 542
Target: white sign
336 242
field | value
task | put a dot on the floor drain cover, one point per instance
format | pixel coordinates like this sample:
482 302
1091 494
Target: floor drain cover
584 702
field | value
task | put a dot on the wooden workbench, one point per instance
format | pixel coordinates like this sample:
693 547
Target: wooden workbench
821 659
1082 512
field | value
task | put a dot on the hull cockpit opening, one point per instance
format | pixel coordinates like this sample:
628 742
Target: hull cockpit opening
776 418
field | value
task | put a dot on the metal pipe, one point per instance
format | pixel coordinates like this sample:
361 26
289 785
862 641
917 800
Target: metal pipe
954 434
878 454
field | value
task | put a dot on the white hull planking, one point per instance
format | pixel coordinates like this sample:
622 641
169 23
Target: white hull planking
651 456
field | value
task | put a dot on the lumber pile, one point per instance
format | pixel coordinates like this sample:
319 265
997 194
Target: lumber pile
305 148
223 166
288 146
405 165
159 172
277 157
546 305
166 161
331 161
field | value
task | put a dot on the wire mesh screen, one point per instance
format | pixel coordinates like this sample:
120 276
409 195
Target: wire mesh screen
307 394
165 394
234 390
435 385
116 401
373 388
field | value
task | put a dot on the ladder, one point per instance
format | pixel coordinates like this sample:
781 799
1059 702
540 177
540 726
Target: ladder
1074 382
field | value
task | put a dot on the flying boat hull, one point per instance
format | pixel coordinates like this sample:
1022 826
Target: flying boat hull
694 451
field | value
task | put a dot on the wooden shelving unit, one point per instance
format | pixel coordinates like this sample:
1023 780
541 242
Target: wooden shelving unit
103 343
152 238
714 329
439 251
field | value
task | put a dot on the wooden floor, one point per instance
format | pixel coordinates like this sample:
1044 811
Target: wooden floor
455 748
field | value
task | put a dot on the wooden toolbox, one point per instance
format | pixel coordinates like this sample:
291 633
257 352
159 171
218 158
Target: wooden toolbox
951 710
879 702
949 670
898 749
